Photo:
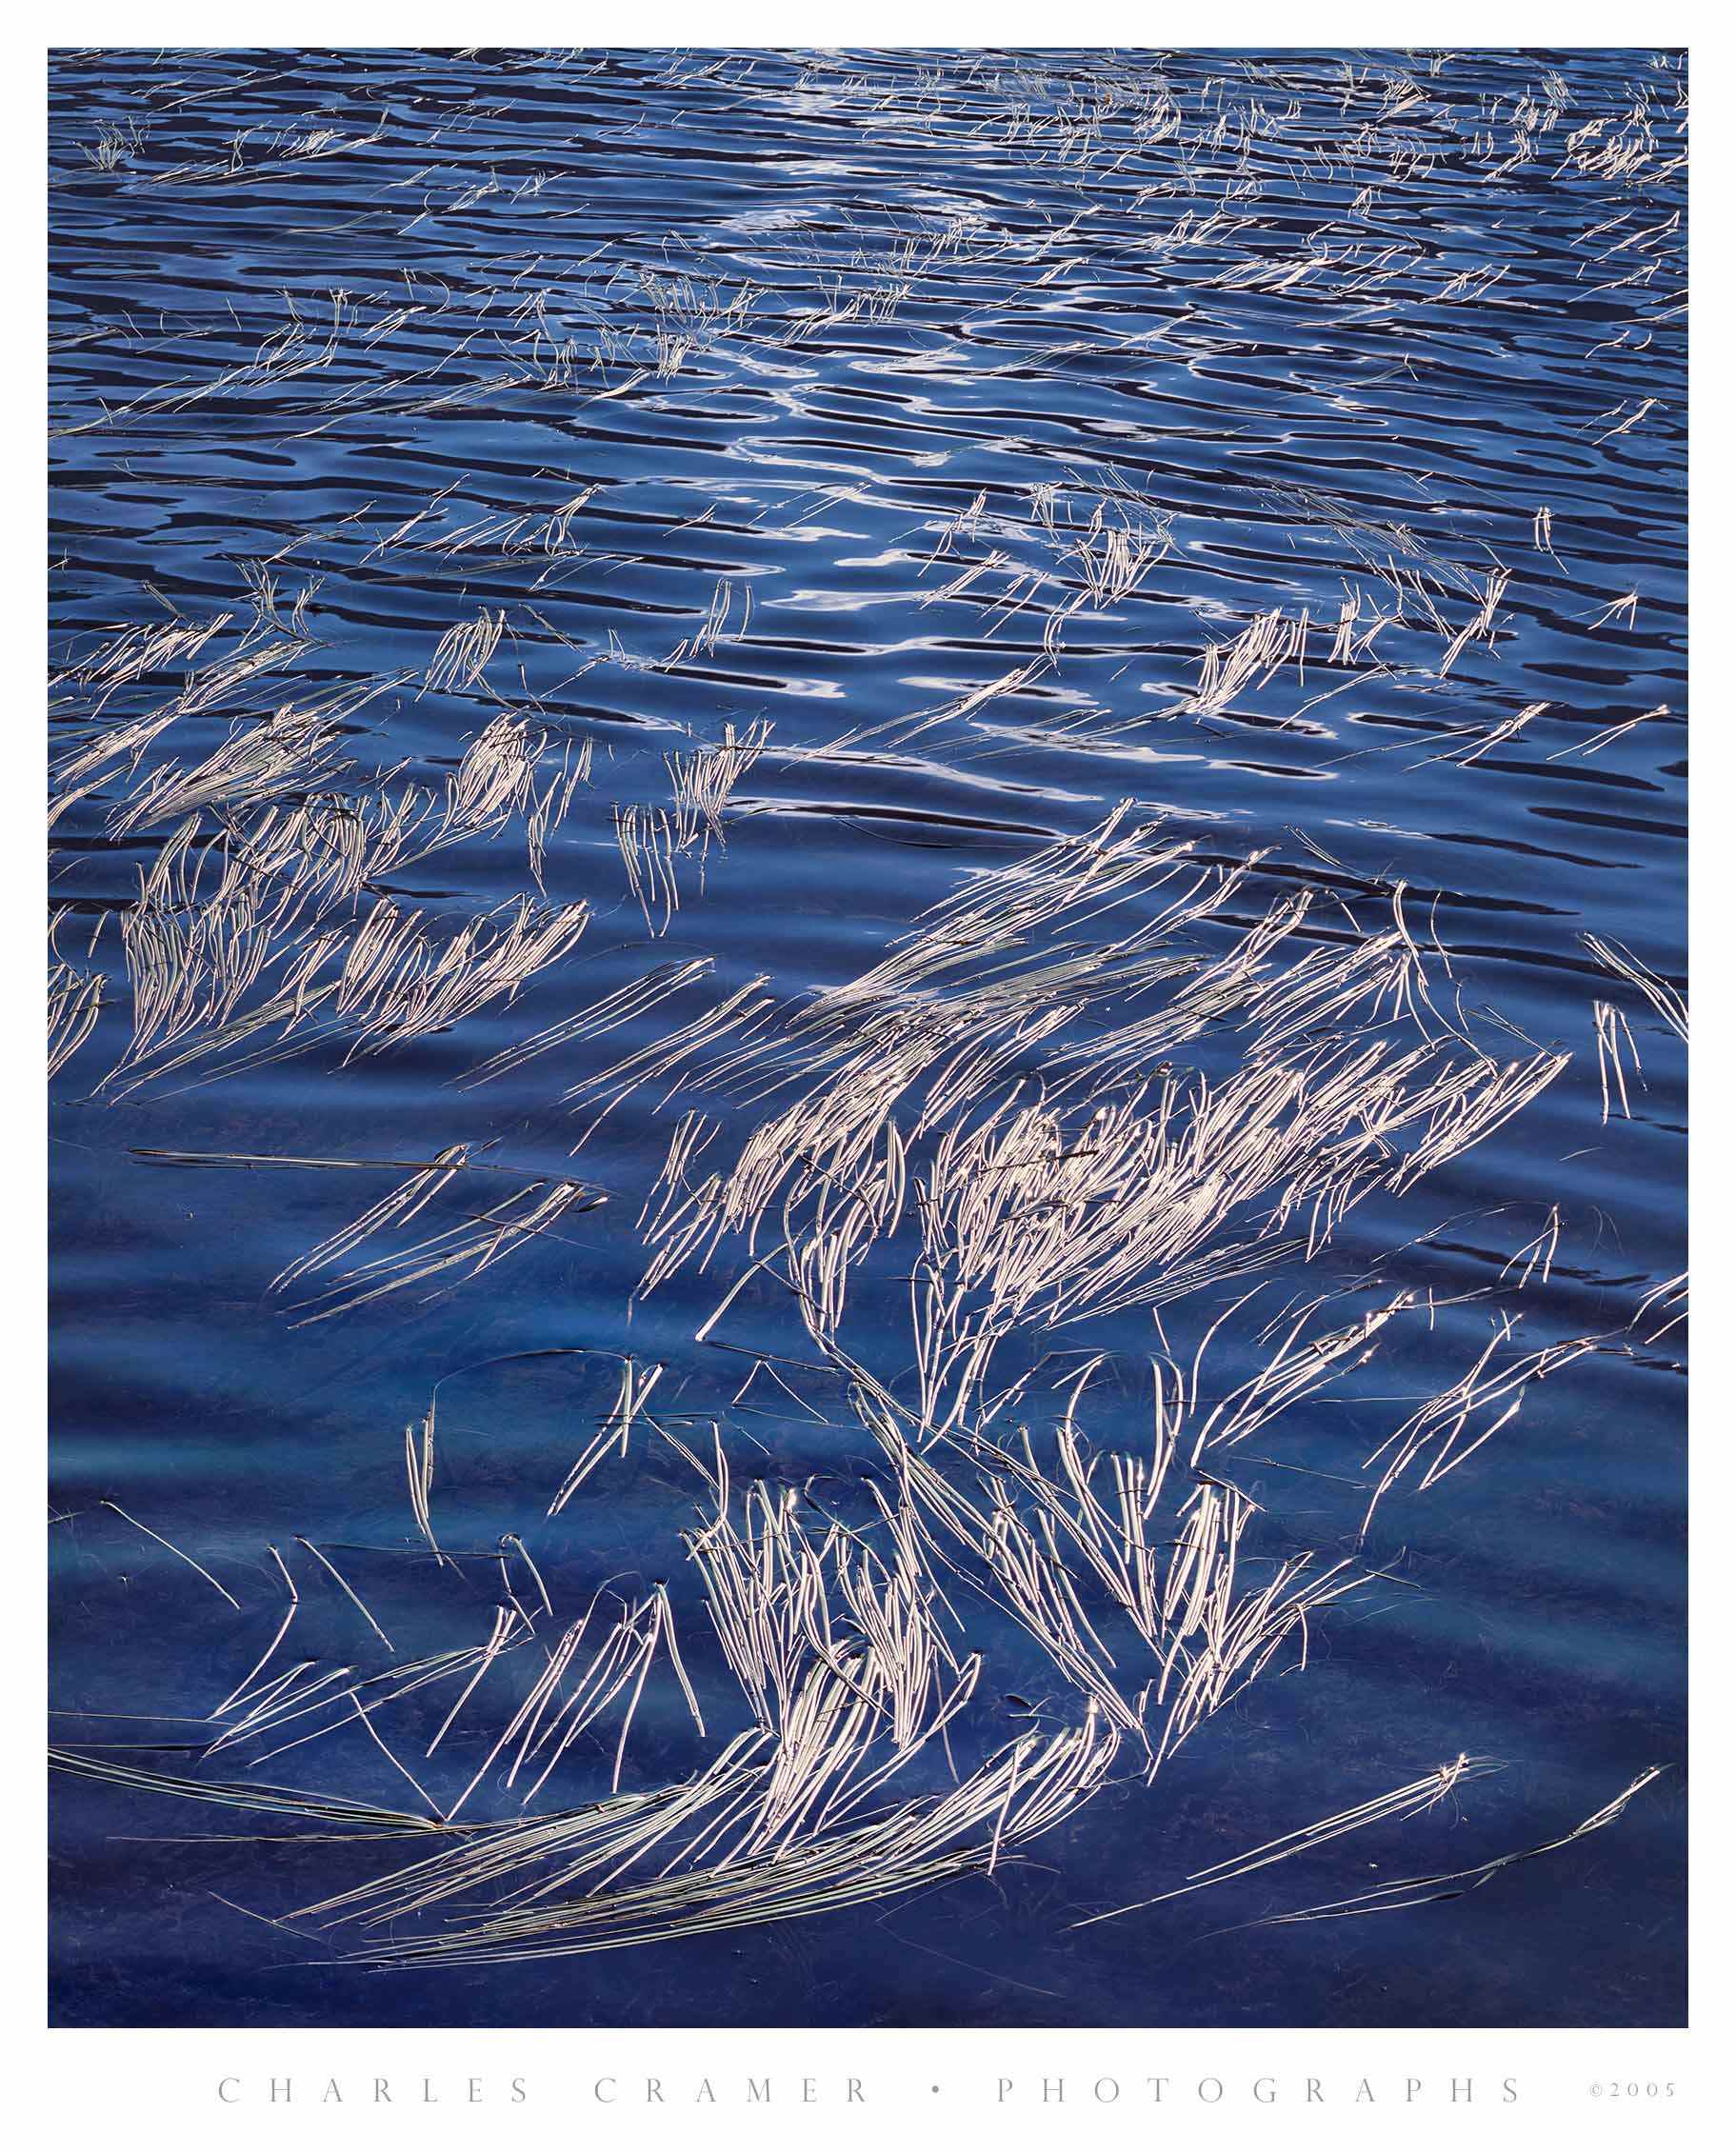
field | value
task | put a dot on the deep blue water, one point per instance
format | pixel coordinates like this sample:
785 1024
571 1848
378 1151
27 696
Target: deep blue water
1312 326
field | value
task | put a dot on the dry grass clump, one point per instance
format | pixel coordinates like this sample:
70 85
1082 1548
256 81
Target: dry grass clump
194 961
76 1001
462 655
479 1240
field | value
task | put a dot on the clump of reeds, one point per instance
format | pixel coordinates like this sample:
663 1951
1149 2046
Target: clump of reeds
480 1239
76 1001
703 778
462 655
117 143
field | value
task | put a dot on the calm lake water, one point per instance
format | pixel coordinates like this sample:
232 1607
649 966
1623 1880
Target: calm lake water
734 390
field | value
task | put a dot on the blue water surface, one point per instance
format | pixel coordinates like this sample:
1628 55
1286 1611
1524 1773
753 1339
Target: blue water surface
594 342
